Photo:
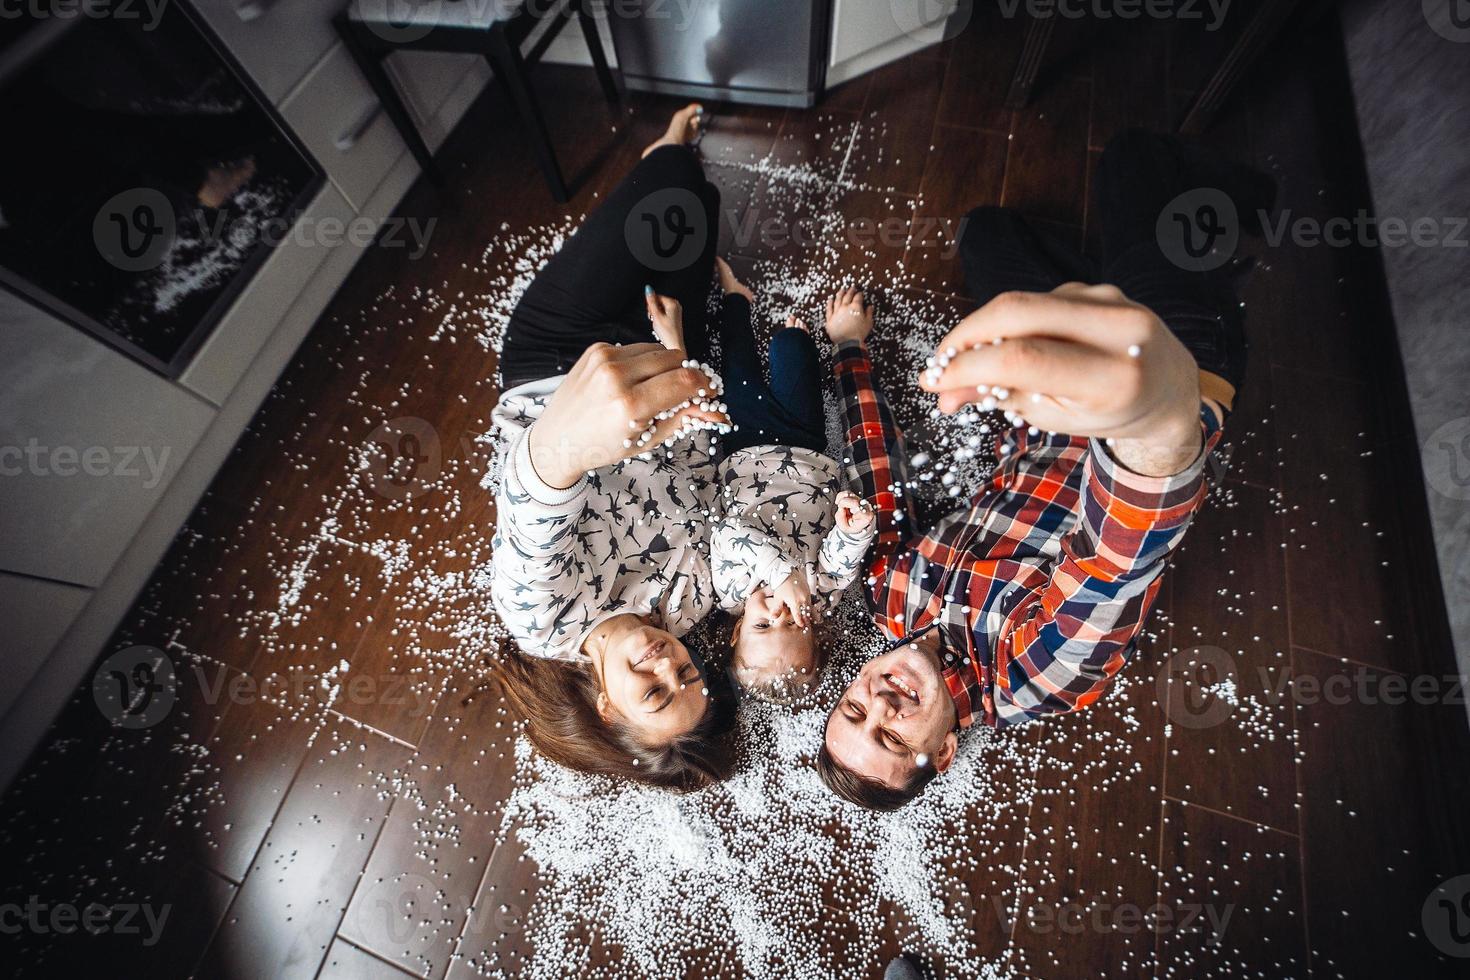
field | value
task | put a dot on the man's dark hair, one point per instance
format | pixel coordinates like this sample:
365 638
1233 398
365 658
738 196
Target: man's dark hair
865 791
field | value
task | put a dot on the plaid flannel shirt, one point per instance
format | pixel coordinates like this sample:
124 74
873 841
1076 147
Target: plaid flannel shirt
1041 586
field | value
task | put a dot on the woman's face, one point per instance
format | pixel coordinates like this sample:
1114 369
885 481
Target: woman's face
649 681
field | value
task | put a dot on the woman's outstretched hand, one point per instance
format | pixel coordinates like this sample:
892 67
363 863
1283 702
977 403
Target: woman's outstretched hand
1084 360
608 397
849 317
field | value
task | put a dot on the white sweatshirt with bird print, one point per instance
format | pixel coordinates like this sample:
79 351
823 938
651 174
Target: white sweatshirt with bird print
627 538
777 514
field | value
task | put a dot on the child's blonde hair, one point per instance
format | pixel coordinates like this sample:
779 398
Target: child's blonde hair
783 689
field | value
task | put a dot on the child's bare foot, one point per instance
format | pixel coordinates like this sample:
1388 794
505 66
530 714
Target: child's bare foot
795 322
729 284
683 128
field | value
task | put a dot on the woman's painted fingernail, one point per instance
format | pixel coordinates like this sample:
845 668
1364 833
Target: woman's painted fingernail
647 290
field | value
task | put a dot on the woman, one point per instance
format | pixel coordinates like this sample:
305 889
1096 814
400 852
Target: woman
601 557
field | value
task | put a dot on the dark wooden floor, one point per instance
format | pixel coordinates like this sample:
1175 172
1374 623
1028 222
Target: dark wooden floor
336 814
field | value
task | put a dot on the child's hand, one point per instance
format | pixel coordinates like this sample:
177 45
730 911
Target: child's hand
796 596
848 316
667 317
854 515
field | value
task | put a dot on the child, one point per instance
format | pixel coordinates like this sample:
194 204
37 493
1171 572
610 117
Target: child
782 543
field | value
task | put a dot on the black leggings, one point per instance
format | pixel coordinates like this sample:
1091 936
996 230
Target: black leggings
592 289
1138 175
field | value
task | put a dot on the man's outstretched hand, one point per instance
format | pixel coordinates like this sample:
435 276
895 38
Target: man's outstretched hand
1084 360
586 423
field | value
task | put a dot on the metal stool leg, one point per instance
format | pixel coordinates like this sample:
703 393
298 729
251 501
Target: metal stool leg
508 64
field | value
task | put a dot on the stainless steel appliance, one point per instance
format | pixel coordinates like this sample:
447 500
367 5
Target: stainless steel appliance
761 52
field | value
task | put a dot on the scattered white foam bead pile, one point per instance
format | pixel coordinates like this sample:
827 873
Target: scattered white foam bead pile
769 875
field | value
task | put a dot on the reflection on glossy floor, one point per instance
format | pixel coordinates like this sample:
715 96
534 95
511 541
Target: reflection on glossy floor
324 796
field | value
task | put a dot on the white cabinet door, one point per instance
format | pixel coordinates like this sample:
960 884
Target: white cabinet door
339 118
88 443
427 80
36 615
277 41
859 26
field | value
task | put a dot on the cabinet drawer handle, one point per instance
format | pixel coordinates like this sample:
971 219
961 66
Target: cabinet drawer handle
354 132
248 10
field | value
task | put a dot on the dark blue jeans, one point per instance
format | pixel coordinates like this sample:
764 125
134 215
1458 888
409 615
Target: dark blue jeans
786 412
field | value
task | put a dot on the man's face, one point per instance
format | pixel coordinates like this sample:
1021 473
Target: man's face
897 709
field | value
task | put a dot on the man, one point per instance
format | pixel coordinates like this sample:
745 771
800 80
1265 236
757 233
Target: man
1030 601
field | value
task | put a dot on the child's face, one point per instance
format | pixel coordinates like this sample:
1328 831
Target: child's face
768 644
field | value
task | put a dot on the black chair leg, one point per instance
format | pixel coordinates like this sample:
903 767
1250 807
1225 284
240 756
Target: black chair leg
594 48
1033 53
1253 41
369 60
506 61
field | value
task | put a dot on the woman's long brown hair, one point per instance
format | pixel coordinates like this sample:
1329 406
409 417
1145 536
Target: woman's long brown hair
559 702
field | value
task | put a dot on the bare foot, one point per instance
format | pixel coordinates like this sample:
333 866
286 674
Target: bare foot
729 284
683 128
795 322
849 316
